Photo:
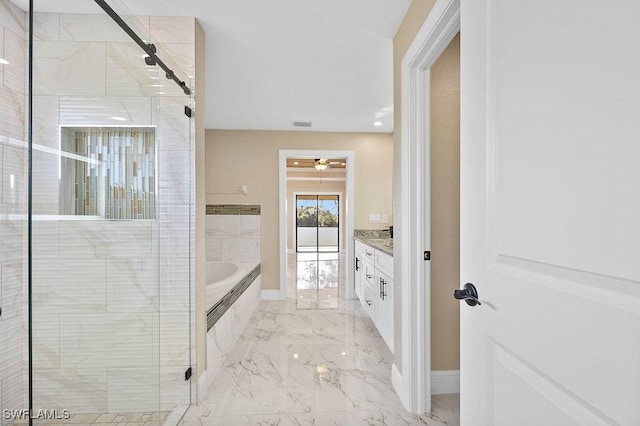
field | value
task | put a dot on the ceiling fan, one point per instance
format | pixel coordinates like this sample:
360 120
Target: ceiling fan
324 163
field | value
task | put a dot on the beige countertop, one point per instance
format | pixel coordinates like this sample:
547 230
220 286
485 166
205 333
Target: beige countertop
383 244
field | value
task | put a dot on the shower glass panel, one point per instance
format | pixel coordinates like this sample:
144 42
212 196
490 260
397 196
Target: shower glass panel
13 207
112 217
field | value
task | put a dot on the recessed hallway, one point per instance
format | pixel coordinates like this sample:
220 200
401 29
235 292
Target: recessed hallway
310 366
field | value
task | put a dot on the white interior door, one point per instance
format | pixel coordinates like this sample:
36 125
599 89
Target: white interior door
550 213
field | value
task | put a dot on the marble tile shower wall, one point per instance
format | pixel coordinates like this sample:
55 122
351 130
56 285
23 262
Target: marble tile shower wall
12 205
112 299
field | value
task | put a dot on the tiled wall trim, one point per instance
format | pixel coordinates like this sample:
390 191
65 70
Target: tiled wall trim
233 209
216 312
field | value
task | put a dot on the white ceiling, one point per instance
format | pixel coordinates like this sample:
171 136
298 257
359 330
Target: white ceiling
270 62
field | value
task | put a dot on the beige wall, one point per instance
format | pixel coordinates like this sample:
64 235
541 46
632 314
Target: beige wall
445 208
413 20
315 187
445 229
239 157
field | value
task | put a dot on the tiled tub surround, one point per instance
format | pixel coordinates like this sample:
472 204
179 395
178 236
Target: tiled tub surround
217 290
227 329
13 197
233 235
112 298
234 209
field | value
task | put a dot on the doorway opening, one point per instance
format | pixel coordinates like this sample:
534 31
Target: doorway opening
413 375
317 246
327 176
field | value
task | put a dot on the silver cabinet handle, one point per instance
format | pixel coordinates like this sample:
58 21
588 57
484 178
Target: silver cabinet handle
368 302
383 288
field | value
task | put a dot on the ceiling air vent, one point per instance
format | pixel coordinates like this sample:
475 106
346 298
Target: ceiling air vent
295 123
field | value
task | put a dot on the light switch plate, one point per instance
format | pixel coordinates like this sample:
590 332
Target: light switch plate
385 218
374 218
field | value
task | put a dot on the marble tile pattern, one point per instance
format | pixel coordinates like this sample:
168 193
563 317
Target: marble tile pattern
298 367
222 337
233 238
293 366
13 174
319 279
125 418
113 299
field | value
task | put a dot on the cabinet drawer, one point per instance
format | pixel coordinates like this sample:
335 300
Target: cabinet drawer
369 272
384 262
369 253
359 248
368 301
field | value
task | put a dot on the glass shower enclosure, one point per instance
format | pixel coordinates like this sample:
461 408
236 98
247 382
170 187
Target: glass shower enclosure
96 215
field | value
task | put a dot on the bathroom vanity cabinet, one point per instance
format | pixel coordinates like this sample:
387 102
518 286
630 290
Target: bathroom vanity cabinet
374 284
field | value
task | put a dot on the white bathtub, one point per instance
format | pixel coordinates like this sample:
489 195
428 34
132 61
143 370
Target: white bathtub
222 277
220 271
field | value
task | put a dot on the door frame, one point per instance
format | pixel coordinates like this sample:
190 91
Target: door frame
348 214
340 226
413 380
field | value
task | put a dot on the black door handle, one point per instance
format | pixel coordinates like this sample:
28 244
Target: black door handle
468 293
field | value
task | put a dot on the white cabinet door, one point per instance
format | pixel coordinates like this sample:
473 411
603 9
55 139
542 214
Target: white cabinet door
550 223
384 307
384 263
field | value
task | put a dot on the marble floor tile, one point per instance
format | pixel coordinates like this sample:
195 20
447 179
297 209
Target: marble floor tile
298 364
315 279
155 418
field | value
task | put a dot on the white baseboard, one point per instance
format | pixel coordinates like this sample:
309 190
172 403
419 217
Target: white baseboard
396 381
445 381
270 295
